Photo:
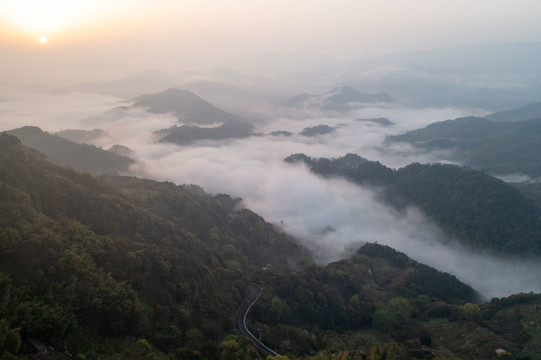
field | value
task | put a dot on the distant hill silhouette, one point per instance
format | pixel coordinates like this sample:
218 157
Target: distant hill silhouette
187 134
494 76
379 121
526 112
281 133
339 99
80 157
81 136
188 107
498 148
317 130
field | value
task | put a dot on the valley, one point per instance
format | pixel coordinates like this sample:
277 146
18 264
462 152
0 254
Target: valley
140 215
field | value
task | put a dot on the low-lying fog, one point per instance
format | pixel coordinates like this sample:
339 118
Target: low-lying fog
331 217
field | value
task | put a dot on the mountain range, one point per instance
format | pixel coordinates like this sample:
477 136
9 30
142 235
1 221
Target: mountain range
494 76
121 267
340 99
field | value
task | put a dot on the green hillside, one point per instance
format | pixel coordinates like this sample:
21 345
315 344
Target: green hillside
126 268
481 211
82 262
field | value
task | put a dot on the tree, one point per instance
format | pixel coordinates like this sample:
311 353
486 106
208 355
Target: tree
10 341
276 307
231 350
387 352
393 314
470 312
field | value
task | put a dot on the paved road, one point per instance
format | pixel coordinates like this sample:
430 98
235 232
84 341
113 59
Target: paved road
240 319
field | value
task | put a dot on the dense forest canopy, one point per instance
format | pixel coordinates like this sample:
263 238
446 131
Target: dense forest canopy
126 268
481 211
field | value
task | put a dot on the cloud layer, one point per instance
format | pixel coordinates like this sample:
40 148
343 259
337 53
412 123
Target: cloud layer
331 217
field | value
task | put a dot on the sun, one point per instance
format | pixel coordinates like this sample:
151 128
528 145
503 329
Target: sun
42 39
47 16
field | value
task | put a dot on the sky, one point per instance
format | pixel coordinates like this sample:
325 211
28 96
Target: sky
100 39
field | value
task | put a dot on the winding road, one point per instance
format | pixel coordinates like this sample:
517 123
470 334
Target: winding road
240 319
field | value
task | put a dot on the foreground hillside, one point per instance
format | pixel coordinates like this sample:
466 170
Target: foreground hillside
125 268
379 304
81 261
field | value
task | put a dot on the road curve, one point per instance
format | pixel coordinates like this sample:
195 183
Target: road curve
240 319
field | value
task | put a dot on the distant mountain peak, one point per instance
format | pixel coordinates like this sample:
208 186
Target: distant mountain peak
184 104
175 93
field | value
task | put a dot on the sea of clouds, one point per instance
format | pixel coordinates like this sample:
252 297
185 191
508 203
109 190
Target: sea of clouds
332 217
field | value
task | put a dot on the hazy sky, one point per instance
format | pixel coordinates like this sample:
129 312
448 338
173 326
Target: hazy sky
100 39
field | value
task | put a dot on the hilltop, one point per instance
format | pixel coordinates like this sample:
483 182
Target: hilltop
188 107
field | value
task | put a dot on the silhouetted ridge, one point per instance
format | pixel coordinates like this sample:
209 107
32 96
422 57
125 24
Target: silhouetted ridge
80 157
188 107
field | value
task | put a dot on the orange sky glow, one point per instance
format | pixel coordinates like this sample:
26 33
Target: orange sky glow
89 38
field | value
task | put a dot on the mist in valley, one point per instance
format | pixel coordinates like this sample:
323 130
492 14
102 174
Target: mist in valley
331 217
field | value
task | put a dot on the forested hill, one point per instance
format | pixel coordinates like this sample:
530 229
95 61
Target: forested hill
125 268
82 260
379 304
481 211
318 295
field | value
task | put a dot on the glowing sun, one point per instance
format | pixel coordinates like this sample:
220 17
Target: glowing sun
42 39
50 16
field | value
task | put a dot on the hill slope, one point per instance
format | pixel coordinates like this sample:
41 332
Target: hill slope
188 107
125 268
380 296
80 157
82 260
498 148
526 112
481 211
